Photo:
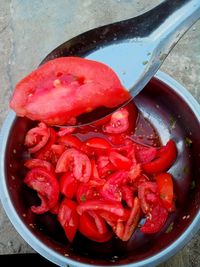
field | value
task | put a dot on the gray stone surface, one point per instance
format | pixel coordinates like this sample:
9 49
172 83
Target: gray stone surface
31 29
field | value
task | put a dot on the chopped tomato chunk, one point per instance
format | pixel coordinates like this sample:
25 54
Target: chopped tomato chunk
165 189
68 185
77 161
46 185
164 160
68 218
155 219
37 137
118 123
92 228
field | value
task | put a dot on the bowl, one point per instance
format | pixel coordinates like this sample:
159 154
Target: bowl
175 114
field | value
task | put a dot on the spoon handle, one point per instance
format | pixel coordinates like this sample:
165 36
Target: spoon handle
173 19
163 27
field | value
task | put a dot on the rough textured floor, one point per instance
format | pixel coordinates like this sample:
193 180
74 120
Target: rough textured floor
29 30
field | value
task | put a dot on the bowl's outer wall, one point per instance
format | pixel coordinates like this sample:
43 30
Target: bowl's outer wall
173 118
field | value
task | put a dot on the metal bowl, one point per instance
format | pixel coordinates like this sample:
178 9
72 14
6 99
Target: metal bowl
175 114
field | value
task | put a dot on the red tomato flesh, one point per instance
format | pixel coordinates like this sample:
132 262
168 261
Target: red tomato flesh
46 185
66 87
68 218
165 188
164 161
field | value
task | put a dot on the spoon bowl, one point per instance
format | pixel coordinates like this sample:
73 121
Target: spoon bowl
134 48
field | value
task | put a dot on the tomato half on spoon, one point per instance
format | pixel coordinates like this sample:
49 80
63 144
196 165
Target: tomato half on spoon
65 88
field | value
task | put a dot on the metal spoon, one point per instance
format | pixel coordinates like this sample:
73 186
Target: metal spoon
134 48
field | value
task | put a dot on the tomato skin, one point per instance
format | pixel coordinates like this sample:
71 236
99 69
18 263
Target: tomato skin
68 218
65 131
86 191
45 152
165 189
55 209
99 221
33 163
70 141
134 172
37 137
166 158
119 161
152 206
104 166
147 193
95 173
111 190
47 187
88 228
155 219
76 90
98 143
113 218
55 153
132 221
78 161
127 195
145 154
111 206
68 185
118 122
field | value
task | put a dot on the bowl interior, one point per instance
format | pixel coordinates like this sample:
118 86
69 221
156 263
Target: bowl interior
172 118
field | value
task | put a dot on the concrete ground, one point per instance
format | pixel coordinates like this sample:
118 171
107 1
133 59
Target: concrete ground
29 30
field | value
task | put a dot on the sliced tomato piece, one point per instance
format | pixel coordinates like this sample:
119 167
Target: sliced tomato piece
65 131
68 218
165 189
70 141
155 219
78 162
47 187
55 209
147 193
68 185
33 163
111 206
98 143
37 137
99 221
132 221
66 87
166 157
104 166
145 154
55 153
102 161
118 122
134 172
87 191
120 161
111 218
112 188
116 139
127 195
89 227
45 152
95 173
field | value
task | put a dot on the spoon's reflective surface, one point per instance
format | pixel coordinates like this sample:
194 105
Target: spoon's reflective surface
134 48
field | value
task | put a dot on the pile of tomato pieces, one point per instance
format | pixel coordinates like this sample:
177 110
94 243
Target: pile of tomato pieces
98 181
